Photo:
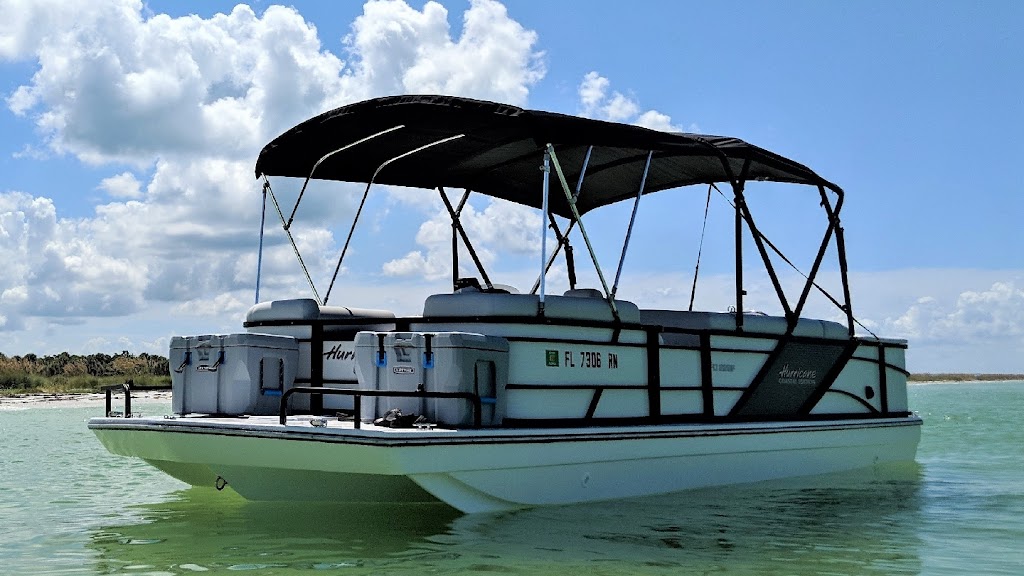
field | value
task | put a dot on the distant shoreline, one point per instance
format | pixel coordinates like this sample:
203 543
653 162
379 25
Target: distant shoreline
963 377
76 399
71 399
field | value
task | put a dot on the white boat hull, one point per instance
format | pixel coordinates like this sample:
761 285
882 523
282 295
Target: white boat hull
493 469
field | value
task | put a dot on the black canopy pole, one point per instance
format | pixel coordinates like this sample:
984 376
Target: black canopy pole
832 224
841 246
737 187
835 224
769 268
738 202
563 241
841 249
741 204
455 239
843 268
455 255
457 222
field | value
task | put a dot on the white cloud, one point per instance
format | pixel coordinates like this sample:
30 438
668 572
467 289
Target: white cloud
595 102
592 91
414 264
224 303
112 85
124 185
500 228
994 313
195 99
656 121
413 52
115 86
55 268
620 108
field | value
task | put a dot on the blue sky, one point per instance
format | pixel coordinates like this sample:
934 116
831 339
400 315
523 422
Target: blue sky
128 132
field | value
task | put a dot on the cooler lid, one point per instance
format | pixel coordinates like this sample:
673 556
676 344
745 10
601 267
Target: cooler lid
245 339
257 340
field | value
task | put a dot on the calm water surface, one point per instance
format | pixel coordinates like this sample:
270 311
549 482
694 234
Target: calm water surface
69 507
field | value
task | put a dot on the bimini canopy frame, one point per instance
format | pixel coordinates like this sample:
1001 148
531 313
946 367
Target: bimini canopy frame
494 149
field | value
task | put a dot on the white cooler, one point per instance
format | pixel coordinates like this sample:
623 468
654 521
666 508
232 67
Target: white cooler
231 374
452 362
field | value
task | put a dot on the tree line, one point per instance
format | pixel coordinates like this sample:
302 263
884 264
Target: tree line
24 371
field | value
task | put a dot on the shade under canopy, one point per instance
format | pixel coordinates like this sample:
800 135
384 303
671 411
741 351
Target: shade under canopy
500 151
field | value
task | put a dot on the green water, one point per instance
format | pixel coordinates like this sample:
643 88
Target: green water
69 507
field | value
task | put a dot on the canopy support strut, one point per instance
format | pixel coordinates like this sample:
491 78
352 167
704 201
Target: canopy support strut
455 240
263 226
632 219
833 224
700 247
550 152
295 248
810 280
457 224
563 241
756 234
325 157
545 190
737 189
366 193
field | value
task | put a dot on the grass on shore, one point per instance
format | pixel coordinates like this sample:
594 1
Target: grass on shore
15 383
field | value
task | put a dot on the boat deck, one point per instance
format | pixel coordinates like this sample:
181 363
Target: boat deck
331 429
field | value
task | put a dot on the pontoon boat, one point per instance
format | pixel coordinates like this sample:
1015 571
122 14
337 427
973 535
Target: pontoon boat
492 399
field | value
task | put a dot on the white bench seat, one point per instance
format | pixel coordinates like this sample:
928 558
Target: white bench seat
577 305
758 323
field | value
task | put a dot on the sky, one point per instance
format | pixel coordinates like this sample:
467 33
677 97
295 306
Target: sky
129 212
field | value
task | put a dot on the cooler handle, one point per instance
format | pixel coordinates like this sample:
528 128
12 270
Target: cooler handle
428 353
382 356
220 360
188 360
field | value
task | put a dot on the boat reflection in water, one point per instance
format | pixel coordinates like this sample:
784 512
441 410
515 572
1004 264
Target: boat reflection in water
866 522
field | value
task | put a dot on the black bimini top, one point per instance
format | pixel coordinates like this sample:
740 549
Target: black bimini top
500 150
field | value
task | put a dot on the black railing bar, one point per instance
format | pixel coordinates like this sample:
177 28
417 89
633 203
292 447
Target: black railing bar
358 394
127 387
127 399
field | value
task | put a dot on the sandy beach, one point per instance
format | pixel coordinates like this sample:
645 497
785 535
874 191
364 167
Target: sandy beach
78 400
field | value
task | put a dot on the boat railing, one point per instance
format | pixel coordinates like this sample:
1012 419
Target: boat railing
127 387
357 396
